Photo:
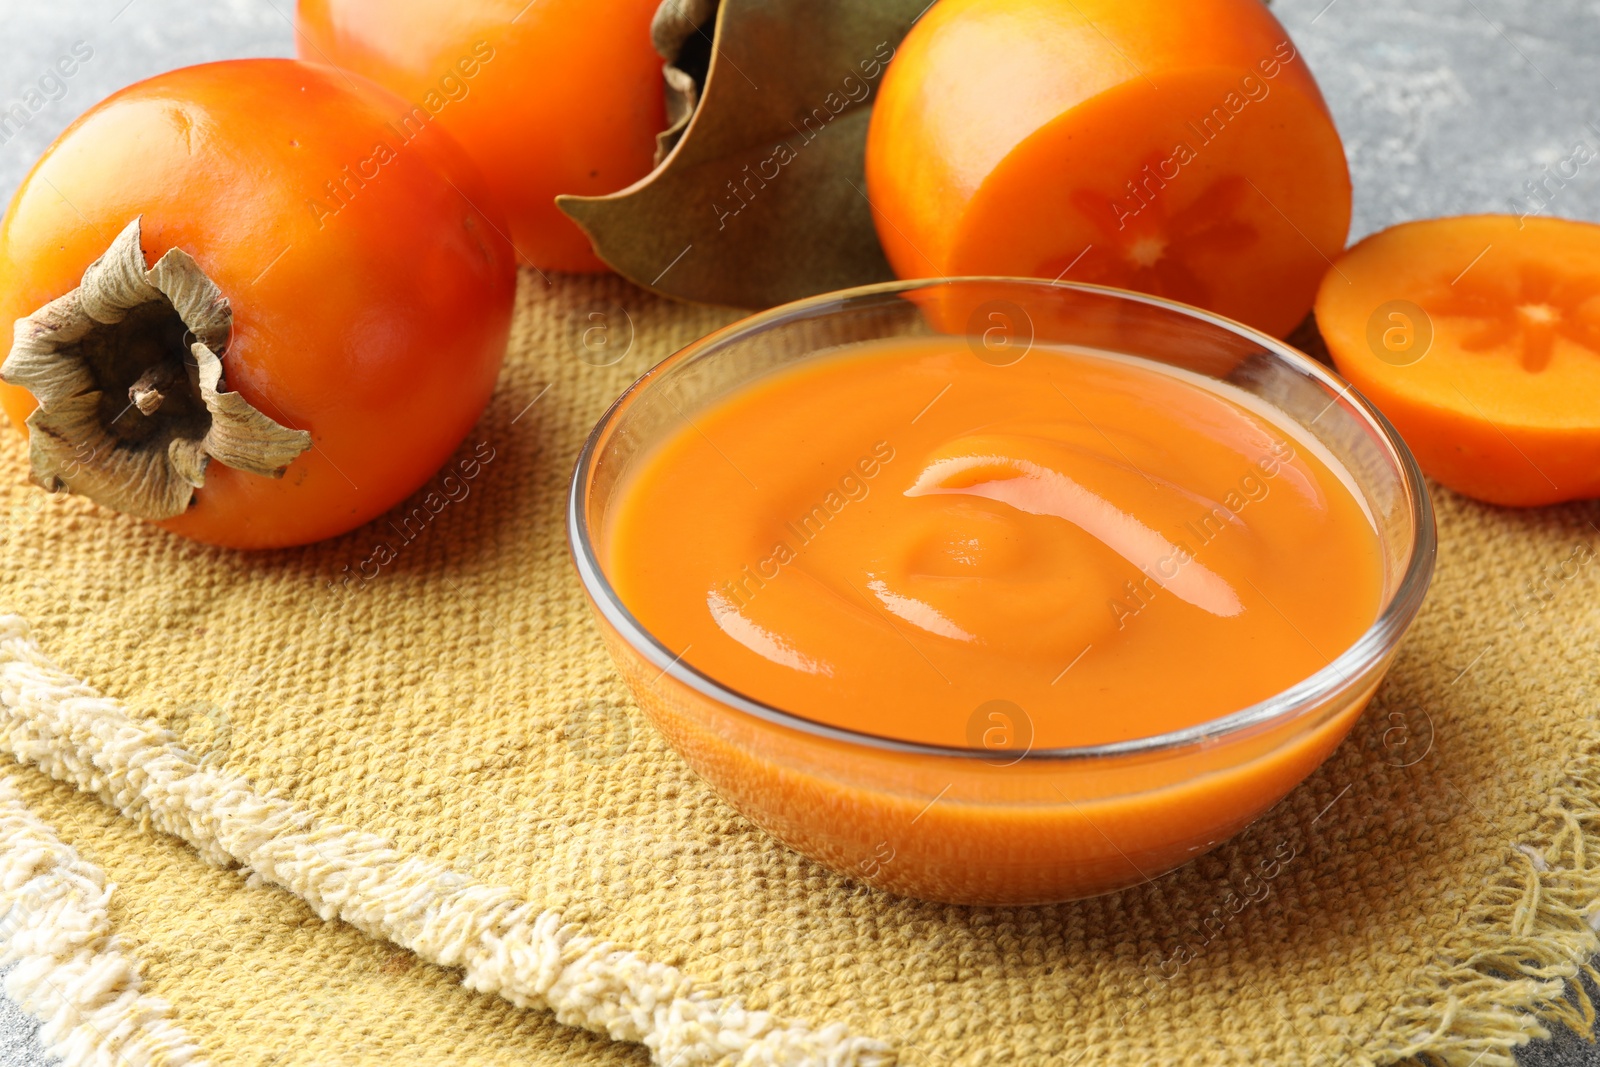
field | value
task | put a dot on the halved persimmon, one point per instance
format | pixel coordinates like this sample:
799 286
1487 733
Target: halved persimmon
1479 338
1178 149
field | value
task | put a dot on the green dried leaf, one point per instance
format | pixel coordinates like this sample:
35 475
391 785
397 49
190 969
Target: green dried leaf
763 199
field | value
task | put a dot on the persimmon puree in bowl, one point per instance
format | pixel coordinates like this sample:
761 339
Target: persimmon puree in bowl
999 591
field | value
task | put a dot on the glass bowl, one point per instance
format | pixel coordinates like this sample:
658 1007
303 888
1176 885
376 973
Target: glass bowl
959 824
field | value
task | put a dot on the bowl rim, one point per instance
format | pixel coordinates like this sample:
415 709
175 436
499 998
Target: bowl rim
1378 641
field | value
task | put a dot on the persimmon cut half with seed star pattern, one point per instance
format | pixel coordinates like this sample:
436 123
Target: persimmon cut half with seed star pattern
1479 338
1177 149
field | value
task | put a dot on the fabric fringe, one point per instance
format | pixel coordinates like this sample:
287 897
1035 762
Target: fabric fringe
67 968
533 959
1524 941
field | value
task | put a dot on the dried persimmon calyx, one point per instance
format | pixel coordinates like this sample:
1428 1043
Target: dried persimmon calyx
128 373
677 26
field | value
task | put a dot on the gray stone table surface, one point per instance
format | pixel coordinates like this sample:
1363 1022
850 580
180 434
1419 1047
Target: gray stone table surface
1446 107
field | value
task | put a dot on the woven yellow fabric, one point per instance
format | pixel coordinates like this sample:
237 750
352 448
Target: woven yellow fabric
433 679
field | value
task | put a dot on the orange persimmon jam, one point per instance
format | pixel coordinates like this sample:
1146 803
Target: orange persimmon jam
996 591
1074 549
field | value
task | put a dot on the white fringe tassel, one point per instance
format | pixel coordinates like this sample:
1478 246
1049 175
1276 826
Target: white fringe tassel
65 728
67 969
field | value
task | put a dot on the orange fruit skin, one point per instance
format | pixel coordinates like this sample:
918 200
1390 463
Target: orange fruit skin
377 322
1180 149
552 97
1502 402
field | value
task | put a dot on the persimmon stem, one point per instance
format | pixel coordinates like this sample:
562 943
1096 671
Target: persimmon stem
148 391
155 336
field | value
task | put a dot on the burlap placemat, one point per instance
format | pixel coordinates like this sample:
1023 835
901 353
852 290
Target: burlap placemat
414 729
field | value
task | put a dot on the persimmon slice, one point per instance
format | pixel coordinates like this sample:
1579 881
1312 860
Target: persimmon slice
1479 338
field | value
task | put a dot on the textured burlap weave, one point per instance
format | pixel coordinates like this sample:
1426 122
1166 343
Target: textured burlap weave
1428 892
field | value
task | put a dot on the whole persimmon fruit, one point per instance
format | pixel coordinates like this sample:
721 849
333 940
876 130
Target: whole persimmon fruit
1181 149
246 307
549 97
